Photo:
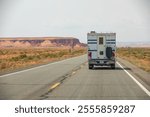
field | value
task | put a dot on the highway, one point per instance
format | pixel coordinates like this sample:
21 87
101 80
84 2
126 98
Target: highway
71 79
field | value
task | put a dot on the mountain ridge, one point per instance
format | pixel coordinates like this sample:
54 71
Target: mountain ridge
133 44
8 42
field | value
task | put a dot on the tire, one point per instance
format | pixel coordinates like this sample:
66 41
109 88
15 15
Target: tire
109 52
113 66
90 66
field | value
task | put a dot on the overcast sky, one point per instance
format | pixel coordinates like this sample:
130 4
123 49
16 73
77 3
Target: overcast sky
130 19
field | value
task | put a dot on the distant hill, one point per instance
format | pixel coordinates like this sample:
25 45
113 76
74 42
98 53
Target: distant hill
24 42
133 44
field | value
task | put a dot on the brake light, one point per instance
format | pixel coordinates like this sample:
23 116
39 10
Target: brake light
89 55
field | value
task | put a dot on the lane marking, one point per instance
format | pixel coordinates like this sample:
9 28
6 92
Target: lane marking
137 82
54 86
38 67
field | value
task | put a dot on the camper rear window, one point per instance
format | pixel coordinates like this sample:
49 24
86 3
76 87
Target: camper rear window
100 40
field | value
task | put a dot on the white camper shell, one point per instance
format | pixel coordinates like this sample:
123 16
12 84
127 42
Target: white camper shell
101 49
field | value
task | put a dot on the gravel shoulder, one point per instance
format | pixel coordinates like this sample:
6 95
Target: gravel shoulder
141 75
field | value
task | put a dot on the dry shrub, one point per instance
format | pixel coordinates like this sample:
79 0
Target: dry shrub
137 56
21 57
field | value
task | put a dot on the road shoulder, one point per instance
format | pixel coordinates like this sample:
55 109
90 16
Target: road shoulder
140 74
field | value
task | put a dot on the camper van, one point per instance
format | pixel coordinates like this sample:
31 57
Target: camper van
101 49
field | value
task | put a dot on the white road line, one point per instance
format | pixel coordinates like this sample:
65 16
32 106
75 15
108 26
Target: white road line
138 83
37 67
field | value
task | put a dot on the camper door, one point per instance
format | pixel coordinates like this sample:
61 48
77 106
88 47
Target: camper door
101 47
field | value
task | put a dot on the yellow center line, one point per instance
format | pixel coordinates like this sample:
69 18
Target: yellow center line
73 72
55 85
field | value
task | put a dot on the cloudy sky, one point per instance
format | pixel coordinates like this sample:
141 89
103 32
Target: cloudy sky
130 19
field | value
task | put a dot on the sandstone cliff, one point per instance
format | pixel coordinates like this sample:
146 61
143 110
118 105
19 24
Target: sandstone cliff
40 42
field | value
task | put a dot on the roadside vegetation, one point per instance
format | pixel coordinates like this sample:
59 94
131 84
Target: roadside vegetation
11 59
138 56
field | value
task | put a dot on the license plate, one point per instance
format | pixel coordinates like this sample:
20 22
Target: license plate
101 62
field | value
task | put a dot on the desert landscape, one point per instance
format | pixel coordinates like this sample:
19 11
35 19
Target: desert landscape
18 53
139 56
21 52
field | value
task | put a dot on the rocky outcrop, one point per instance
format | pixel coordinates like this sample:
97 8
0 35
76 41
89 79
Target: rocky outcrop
41 42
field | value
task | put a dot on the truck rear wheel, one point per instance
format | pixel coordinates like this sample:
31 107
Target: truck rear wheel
113 66
90 66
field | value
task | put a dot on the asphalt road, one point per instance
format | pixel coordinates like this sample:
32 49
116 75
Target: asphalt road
71 79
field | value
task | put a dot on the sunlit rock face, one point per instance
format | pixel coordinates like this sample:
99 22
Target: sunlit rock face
24 42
